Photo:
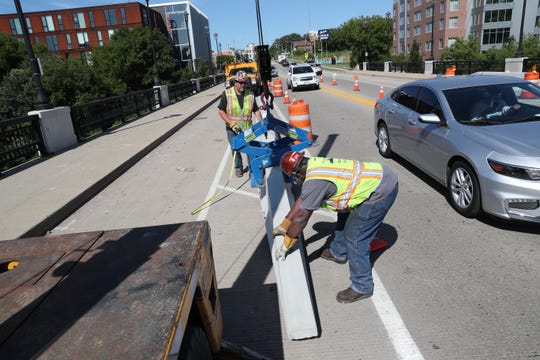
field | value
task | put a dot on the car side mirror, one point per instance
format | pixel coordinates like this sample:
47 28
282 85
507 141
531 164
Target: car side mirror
430 119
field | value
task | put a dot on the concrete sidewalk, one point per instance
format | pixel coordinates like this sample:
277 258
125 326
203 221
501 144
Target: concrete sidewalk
36 199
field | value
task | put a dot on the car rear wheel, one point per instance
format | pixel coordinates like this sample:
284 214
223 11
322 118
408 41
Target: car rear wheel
383 142
464 190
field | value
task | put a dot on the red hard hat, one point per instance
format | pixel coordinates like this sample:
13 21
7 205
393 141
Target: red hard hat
290 161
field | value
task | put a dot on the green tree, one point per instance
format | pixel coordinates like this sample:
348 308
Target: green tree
468 49
12 54
125 63
17 94
531 46
414 55
202 67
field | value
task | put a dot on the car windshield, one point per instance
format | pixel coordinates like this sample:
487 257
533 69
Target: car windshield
495 104
302 70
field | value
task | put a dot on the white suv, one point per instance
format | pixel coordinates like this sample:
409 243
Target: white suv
302 76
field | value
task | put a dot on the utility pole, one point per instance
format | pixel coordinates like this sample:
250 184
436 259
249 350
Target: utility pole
42 100
519 53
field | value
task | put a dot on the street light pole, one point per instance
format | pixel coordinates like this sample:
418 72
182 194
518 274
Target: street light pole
157 81
389 35
190 61
42 100
366 26
520 44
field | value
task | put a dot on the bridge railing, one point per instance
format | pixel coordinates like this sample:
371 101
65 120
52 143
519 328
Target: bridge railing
20 141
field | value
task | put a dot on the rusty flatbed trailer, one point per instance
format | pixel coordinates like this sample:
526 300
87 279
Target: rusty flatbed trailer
109 294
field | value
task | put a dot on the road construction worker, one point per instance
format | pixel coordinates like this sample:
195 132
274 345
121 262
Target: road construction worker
361 193
236 108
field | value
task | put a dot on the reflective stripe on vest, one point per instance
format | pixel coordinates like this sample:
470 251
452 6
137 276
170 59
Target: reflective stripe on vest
355 180
242 116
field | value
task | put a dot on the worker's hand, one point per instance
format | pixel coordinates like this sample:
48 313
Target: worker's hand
282 228
281 253
237 129
288 243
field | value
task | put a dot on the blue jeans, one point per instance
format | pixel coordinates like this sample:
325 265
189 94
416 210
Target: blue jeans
238 160
361 227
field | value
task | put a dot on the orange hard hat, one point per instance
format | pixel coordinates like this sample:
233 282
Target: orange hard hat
290 161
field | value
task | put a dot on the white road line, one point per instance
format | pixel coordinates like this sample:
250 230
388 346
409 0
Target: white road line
400 337
212 190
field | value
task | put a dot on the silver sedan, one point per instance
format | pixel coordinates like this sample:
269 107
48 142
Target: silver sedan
478 135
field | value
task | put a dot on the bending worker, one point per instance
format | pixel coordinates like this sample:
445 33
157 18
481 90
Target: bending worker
361 193
235 108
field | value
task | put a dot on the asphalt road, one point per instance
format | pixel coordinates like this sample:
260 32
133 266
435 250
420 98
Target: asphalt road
448 288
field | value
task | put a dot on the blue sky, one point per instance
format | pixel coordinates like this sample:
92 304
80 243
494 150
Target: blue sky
235 21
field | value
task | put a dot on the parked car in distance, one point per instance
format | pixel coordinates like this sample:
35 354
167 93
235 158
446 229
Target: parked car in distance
284 63
302 76
477 135
274 71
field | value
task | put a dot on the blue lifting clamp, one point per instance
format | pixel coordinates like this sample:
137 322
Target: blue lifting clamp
265 154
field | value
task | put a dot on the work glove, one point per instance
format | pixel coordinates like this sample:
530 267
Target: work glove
288 243
282 228
505 109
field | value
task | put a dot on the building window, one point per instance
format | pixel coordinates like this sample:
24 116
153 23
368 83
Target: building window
100 38
417 2
60 22
442 7
498 15
36 40
495 36
537 23
417 30
454 5
441 24
451 41
429 12
429 27
417 16
82 39
48 23
441 43
110 33
15 25
453 22
91 18
428 45
123 15
78 21
110 17
68 40
52 43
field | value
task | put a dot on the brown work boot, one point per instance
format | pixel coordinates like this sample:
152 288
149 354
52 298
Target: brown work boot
349 295
327 255
239 172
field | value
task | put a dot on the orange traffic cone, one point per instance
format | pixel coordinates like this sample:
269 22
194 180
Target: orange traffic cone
321 79
377 244
381 92
286 99
334 82
356 87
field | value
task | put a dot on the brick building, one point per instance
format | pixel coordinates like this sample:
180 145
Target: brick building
72 32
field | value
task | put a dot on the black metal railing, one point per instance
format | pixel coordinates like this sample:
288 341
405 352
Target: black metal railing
465 67
181 90
529 63
410 67
375 66
20 141
95 117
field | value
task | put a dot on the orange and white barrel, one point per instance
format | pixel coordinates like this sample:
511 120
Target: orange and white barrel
299 116
278 89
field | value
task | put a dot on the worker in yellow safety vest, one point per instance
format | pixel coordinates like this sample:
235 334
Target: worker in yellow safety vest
235 108
360 192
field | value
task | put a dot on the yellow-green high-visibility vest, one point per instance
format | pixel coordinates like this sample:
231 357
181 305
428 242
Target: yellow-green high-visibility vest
242 116
355 180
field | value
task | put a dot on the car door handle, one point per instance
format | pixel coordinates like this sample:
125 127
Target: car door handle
391 112
412 121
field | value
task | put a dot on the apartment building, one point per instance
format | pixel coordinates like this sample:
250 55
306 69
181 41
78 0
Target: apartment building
437 24
76 31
